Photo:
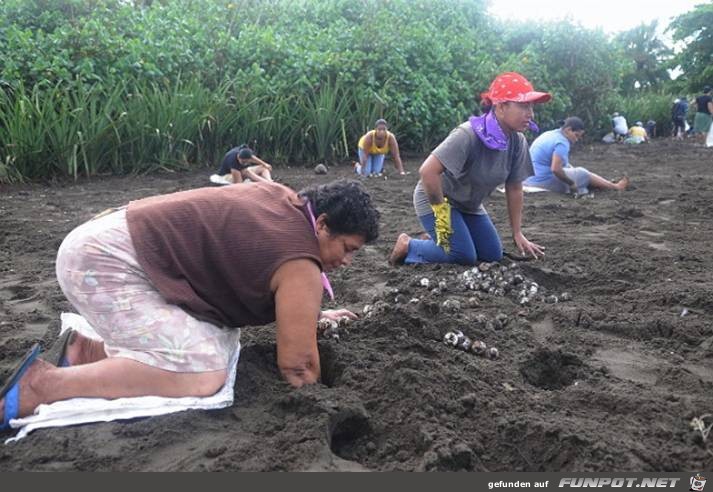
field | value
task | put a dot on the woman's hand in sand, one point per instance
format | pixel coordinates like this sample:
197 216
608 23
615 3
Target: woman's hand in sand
528 248
337 314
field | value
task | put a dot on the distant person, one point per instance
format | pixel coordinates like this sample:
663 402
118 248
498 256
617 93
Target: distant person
704 110
637 134
240 164
373 147
463 170
651 129
679 111
619 127
554 172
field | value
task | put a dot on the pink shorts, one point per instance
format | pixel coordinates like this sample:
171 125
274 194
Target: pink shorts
98 272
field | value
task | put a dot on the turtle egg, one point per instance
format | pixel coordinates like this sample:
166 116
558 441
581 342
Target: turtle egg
478 347
551 299
325 324
332 333
564 297
425 282
451 305
451 339
442 285
465 344
493 353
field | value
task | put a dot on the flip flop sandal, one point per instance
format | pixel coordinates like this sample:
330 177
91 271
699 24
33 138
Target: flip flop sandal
57 354
11 391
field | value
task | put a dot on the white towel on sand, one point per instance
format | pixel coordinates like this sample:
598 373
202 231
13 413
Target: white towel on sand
219 180
85 410
525 188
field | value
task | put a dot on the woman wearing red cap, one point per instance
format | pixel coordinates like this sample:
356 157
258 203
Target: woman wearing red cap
464 169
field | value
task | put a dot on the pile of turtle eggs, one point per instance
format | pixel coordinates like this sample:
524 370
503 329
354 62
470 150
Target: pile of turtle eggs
330 328
458 340
499 280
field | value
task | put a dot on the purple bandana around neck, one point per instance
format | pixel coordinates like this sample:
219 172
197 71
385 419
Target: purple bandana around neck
488 130
325 281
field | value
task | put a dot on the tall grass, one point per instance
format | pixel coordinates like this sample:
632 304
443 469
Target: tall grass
46 133
642 107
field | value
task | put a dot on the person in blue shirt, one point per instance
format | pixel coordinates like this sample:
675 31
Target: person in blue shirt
679 111
553 171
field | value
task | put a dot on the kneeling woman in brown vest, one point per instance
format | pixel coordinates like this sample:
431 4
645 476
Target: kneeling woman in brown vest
165 280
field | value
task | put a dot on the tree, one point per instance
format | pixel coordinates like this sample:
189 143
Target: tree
695 29
648 57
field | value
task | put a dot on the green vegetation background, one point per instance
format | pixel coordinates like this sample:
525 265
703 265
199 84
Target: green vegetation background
96 86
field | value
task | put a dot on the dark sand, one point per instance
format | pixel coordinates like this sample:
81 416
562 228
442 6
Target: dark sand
607 381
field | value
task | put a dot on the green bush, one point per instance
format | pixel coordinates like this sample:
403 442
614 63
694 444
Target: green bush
111 85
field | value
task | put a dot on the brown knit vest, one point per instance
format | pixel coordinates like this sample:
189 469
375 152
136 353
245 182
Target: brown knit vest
213 251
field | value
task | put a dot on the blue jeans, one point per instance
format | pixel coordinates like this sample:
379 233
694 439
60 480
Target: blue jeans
374 163
474 238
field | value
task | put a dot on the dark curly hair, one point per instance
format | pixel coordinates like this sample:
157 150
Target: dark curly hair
348 207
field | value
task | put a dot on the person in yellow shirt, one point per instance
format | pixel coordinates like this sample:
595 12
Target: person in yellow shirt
373 147
637 134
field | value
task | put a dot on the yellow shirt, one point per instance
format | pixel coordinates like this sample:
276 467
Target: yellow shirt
637 131
374 149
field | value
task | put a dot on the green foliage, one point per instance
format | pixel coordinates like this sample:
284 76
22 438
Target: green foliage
695 30
91 86
647 58
643 106
578 66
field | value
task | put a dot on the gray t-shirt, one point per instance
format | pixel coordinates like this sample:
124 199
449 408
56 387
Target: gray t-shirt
473 171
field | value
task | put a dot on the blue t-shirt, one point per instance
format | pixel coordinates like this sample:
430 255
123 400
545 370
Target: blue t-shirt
541 152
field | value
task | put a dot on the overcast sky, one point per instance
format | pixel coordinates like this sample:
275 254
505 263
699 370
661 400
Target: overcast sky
611 15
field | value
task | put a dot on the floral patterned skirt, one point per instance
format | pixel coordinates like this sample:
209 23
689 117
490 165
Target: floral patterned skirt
98 271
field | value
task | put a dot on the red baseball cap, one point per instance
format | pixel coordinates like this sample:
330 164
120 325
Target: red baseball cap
511 86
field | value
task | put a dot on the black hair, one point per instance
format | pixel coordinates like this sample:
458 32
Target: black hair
574 123
380 121
245 153
348 207
706 89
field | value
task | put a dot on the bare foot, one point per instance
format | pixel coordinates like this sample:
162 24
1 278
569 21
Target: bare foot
30 381
84 350
623 183
398 254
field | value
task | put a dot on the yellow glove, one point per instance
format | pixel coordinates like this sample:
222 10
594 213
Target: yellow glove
442 212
